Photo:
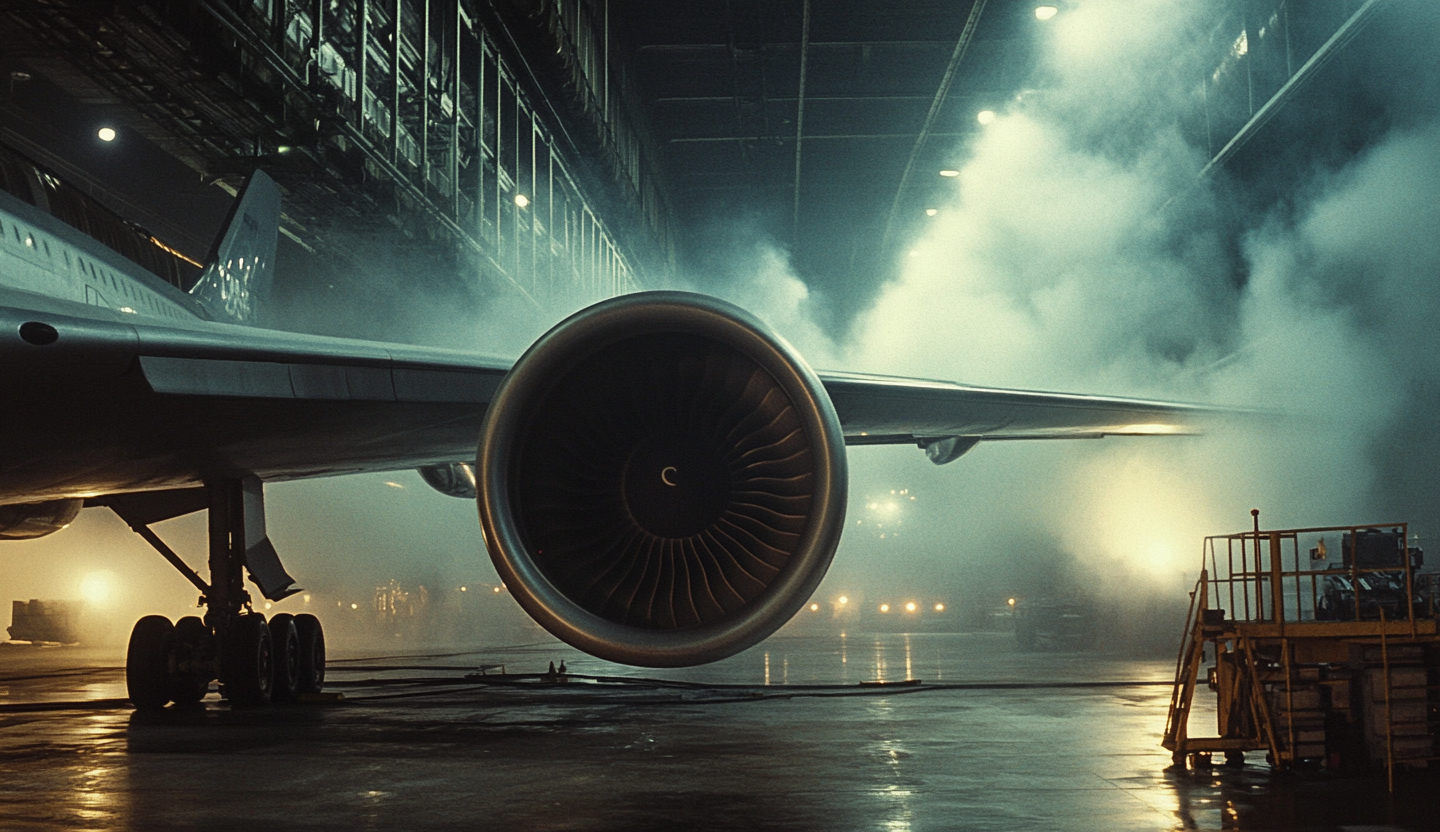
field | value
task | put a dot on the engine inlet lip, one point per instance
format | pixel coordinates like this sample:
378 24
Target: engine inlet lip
530 381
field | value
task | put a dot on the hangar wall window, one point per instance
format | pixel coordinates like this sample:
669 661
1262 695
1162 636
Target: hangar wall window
432 94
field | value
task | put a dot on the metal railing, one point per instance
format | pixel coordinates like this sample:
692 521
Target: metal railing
1288 575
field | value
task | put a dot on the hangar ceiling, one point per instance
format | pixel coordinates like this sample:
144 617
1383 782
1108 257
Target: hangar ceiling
822 121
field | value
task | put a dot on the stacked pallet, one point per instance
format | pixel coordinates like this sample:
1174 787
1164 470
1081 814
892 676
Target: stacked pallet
1298 713
1396 705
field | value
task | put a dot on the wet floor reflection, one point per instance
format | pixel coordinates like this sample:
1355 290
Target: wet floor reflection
890 657
576 757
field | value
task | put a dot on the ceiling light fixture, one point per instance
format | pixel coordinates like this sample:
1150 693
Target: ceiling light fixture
1046 12
106 134
950 173
985 116
522 200
930 212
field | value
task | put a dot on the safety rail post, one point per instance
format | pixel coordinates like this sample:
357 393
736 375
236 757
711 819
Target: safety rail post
1289 699
1389 722
1409 577
1354 567
1299 601
1259 569
1277 583
1244 580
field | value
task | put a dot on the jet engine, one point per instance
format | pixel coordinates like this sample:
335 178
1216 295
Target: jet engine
26 521
661 480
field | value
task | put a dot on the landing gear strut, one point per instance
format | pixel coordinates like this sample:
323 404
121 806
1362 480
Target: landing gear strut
254 660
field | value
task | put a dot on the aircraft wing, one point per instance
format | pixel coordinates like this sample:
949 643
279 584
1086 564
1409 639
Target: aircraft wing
946 419
104 407
125 406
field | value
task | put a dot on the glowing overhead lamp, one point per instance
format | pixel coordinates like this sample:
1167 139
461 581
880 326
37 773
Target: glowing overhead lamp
884 607
930 212
522 200
985 116
910 607
814 607
844 600
950 173
106 134
1011 602
1046 12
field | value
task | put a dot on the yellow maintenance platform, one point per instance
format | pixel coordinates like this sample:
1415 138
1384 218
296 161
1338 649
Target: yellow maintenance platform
1320 645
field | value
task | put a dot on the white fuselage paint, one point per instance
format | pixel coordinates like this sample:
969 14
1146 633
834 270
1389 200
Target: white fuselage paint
44 258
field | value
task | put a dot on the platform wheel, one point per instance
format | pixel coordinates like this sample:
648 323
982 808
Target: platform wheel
147 662
311 654
286 640
249 661
193 661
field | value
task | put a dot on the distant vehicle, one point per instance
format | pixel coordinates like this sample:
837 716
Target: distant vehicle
1053 625
1366 594
55 622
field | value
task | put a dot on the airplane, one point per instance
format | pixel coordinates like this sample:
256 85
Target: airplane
660 479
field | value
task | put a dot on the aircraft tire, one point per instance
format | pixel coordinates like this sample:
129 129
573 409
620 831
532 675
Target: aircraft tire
287 657
147 660
249 661
190 684
311 654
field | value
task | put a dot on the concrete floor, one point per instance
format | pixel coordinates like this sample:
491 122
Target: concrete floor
413 748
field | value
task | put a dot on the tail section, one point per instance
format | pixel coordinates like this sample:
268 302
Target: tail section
241 266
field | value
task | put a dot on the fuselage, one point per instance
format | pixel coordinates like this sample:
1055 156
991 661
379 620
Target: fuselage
47 265
115 380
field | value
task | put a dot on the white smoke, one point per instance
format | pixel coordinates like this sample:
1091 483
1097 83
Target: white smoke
1064 260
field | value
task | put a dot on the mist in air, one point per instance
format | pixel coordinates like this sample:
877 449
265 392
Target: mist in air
1077 251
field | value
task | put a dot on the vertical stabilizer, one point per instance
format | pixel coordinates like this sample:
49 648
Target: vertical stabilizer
241 266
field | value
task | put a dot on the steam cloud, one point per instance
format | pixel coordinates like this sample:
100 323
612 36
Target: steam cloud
1064 261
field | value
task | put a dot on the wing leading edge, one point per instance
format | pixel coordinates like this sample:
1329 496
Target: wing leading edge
947 419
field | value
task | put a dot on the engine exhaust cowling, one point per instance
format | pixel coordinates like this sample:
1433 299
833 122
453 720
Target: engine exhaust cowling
661 480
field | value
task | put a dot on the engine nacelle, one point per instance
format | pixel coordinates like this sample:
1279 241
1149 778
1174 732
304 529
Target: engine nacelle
27 521
453 479
661 480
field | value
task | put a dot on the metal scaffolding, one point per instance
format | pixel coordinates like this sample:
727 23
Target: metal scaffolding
413 119
431 103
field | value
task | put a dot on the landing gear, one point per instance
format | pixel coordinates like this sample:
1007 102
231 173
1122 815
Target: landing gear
255 661
286 641
248 669
147 659
310 655
194 661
